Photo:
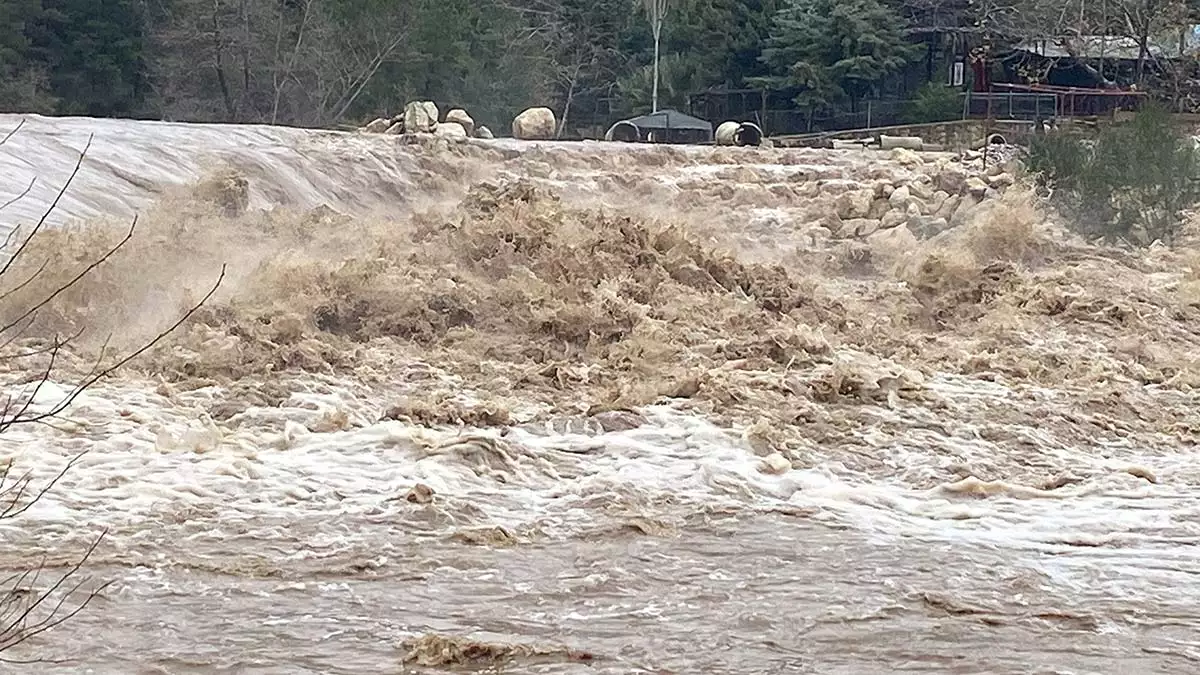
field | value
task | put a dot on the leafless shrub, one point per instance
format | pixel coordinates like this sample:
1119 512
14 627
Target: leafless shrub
35 600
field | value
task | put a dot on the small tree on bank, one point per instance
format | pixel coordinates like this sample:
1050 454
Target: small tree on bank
1132 182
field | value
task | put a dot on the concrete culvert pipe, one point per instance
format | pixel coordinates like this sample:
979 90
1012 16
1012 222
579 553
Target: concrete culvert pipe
748 133
906 142
624 132
993 139
739 133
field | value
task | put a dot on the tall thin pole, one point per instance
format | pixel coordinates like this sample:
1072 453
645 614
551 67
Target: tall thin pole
657 33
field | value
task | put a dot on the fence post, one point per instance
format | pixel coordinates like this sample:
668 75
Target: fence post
868 113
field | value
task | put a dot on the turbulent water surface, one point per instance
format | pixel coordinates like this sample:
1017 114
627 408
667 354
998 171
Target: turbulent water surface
885 476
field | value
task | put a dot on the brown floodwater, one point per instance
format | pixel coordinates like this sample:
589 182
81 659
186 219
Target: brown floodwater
763 593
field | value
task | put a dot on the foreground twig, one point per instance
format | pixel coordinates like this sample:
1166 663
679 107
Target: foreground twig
29 607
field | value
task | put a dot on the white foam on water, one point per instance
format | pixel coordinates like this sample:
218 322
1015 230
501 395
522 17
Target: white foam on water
149 460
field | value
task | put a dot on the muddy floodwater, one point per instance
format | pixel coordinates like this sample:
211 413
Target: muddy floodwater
588 408
663 549
752 594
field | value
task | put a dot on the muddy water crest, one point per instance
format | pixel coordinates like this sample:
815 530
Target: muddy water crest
590 412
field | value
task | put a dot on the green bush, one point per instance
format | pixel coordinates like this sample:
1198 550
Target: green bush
934 102
1131 182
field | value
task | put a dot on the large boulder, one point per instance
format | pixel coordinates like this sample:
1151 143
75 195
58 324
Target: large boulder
953 179
977 187
854 203
900 197
420 117
535 124
460 116
450 130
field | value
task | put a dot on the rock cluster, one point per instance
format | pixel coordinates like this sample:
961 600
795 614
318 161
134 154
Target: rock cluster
936 194
421 117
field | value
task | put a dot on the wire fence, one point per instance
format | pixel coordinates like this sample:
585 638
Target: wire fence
1030 107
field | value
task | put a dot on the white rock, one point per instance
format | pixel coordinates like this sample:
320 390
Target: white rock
774 463
893 240
900 197
483 132
1001 180
976 187
460 116
953 179
450 130
906 157
420 117
854 204
893 218
396 129
858 227
819 235
965 210
927 226
921 190
534 124
937 200
948 207
879 207
1014 166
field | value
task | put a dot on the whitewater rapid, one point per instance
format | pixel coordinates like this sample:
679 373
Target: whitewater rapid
297 528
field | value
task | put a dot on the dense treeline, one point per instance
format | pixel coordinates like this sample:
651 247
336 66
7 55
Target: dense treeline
331 62
327 62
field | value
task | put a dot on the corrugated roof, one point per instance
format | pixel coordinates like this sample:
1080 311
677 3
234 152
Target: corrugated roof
670 119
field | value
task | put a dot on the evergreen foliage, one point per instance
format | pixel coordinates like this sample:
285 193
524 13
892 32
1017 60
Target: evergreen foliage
836 50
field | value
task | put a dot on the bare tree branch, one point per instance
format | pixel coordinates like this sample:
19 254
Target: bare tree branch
78 277
14 200
18 627
49 210
13 132
27 609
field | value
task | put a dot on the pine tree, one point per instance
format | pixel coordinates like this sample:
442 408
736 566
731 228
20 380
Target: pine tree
835 50
92 51
24 83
